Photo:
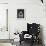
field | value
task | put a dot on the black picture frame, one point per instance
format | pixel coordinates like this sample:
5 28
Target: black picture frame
20 13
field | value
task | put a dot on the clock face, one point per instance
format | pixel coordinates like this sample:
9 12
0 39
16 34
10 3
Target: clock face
20 13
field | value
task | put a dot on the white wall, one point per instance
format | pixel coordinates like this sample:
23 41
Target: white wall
3 1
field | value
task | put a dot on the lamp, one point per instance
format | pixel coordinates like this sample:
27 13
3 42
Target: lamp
42 1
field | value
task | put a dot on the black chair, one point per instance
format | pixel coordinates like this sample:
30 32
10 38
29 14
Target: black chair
32 29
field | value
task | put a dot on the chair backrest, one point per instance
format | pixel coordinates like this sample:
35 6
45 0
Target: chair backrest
33 28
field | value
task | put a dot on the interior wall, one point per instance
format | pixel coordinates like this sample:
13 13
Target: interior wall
3 1
45 15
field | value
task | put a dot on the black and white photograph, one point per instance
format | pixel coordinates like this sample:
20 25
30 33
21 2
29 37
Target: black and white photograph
22 22
20 13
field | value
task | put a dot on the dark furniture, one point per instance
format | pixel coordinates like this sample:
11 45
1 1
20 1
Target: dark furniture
33 30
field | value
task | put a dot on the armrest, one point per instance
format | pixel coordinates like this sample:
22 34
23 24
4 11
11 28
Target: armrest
24 32
22 35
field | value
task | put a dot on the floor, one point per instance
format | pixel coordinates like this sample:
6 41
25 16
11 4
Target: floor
5 44
18 44
23 44
26 44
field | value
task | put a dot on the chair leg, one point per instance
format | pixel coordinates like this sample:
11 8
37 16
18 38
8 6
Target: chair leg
20 42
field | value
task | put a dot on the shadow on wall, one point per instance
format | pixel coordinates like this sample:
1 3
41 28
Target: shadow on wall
41 34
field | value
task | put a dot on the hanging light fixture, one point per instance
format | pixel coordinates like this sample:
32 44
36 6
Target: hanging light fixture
42 1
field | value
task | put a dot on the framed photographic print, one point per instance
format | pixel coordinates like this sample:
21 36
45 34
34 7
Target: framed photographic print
20 13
